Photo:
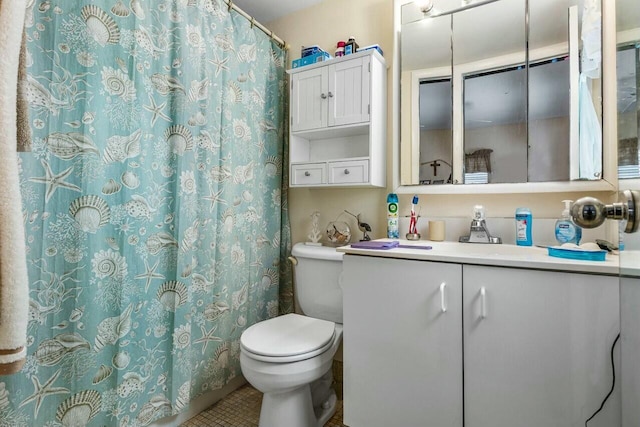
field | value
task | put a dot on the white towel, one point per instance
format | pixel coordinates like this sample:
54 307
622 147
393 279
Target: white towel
14 290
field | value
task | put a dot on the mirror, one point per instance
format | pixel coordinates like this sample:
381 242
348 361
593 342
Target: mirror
478 107
426 75
493 81
628 76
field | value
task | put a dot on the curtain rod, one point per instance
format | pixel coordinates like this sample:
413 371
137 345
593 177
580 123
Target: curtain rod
253 21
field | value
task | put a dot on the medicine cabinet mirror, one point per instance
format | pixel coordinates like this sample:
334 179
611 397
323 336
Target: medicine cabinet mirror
479 107
628 79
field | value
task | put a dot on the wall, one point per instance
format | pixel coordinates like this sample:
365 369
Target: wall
371 21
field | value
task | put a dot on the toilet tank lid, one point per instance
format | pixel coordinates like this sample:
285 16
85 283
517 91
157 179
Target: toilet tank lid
300 250
287 335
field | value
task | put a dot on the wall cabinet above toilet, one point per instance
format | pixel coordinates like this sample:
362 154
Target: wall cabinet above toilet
338 122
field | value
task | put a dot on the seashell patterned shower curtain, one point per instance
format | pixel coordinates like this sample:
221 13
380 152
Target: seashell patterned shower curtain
154 206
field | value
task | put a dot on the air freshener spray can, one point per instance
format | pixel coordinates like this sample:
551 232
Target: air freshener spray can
392 216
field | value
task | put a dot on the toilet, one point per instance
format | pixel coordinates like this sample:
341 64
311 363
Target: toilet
289 358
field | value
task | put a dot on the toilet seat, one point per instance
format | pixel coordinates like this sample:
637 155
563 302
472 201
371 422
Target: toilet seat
288 338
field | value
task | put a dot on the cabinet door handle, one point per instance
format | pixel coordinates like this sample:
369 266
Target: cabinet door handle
483 303
330 94
443 299
307 173
324 95
346 172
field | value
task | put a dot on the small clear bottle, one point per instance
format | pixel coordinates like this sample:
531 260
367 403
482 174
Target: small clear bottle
621 227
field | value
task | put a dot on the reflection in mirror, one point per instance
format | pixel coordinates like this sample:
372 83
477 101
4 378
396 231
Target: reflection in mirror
426 100
549 120
628 73
494 91
435 131
515 112
554 59
495 128
494 111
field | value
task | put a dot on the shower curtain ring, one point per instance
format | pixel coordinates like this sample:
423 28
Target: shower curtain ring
253 21
230 5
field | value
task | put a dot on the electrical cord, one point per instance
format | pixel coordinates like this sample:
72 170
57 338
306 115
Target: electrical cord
613 384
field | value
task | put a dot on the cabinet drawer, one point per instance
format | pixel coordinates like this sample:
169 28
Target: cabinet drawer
351 172
308 174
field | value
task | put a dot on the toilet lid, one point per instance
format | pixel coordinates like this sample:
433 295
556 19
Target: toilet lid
288 335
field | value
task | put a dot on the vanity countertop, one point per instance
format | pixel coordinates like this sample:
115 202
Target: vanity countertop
630 263
531 257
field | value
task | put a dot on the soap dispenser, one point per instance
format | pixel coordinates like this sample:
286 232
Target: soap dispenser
566 230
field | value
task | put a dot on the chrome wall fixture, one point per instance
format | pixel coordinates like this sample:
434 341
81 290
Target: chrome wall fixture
589 212
425 6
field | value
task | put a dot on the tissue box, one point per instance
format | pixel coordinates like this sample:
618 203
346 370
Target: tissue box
311 59
373 46
310 50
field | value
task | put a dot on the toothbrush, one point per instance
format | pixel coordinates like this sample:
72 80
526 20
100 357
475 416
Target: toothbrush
413 222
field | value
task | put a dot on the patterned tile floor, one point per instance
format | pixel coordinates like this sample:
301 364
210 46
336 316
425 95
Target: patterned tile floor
242 409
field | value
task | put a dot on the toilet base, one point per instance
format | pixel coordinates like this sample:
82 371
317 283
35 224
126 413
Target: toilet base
295 407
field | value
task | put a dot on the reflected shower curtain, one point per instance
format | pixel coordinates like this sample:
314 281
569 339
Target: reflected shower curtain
154 207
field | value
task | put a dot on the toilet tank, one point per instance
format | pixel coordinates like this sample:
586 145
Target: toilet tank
318 277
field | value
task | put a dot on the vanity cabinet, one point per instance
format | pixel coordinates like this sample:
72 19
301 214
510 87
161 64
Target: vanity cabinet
534 345
338 122
402 346
630 348
537 347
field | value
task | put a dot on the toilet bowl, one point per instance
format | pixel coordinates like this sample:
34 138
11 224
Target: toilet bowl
289 358
296 380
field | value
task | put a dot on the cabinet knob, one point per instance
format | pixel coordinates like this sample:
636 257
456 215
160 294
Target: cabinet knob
324 95
307 173
346 172
330 95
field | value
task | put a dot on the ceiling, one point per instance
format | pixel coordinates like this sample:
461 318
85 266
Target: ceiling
266 11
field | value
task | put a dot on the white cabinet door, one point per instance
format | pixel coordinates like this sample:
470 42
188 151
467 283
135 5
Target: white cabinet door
537 348
402 343
349 92
630 350
309 97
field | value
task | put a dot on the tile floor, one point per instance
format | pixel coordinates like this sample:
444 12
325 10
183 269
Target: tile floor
242 407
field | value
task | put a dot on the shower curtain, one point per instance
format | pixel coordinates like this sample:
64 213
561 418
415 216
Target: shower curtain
154 206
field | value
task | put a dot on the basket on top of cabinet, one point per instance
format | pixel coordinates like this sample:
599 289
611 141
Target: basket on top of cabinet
338 122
